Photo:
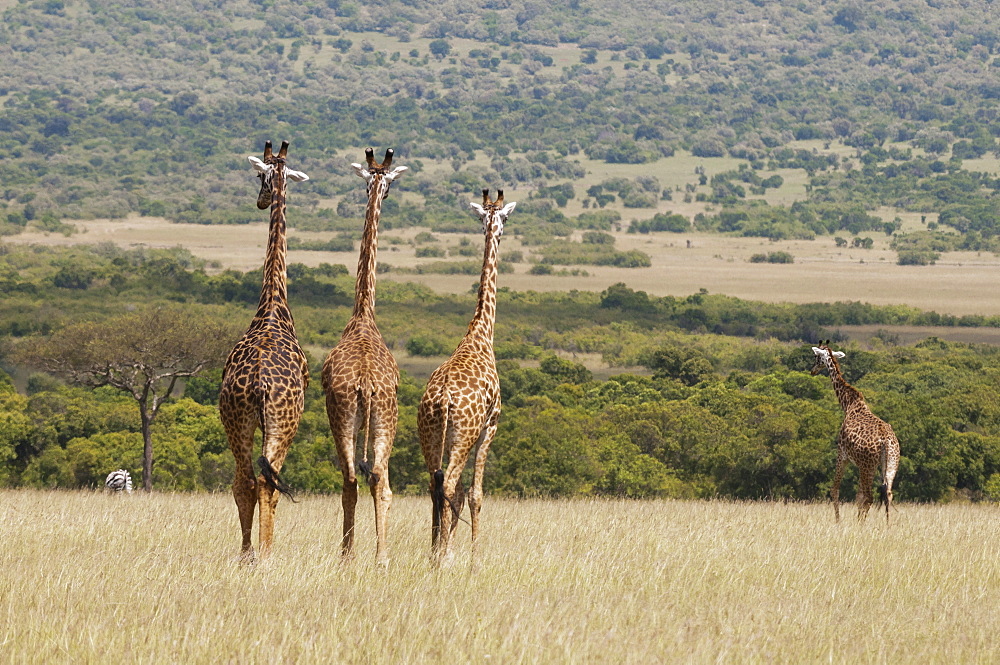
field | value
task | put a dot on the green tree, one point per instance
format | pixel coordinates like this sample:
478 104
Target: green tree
439 48
143 354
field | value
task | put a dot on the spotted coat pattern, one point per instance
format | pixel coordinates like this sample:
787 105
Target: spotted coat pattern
266 374
460 407
864 439
360 378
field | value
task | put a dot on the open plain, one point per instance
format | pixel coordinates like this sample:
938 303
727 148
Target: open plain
960 283
88 577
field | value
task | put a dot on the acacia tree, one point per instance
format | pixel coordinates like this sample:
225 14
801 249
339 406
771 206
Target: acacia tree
142 353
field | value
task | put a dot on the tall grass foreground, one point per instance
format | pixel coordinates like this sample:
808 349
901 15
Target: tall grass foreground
88 577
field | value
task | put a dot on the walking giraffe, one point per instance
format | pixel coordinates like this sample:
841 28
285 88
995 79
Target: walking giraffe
461 405
864 438
264 381
360 376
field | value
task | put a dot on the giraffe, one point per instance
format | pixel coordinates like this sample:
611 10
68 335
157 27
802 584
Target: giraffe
265 377
360 376
460 408
864 438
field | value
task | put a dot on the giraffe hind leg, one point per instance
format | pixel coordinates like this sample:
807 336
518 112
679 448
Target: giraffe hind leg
865 494
349 495
240 437
381 431
890 465
269 486
835 490
244 492
476 491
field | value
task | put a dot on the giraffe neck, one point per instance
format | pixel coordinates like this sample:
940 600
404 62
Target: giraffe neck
848 396
364 288
274 289
486 307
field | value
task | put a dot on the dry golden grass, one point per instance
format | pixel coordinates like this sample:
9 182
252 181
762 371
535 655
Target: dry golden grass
961 282
87 577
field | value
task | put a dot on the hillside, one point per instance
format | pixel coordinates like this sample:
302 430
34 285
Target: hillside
117 108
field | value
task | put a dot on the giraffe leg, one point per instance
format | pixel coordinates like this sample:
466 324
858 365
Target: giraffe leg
889 474
383 426
865 496
838 475
244 490
267 497
240 437
349 495
343 424
476 491
453 493
432 422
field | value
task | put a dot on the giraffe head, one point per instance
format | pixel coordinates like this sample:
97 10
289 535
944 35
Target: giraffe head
378 176
826 358
265 171
493 214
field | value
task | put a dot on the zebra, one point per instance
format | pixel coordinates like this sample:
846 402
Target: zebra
119 481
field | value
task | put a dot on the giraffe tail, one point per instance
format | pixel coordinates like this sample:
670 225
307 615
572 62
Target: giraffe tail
364 466
437 497
883 488
883 494
274 480
271 476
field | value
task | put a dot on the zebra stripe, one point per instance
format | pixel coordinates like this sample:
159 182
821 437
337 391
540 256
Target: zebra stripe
119 481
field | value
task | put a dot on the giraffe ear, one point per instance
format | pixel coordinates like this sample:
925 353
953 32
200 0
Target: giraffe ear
839 354
818 351
297 176
396 172
478 208
509 208
361 171
260 166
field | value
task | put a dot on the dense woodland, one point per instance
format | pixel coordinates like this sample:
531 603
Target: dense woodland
119 108
717 399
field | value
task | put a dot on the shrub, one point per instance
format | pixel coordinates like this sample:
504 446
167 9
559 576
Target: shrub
426 345
773 257
917 258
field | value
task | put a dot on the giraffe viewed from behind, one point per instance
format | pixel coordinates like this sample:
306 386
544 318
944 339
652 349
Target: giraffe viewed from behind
265 377
360 377
864 438
460 407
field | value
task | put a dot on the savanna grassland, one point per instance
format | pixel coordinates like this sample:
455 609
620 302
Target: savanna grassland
88 577
718 263
704 189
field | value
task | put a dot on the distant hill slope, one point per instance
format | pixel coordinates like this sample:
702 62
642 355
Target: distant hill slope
116 107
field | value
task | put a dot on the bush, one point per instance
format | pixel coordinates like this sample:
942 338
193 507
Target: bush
426 345
773 257
430 252
662 222
917 258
